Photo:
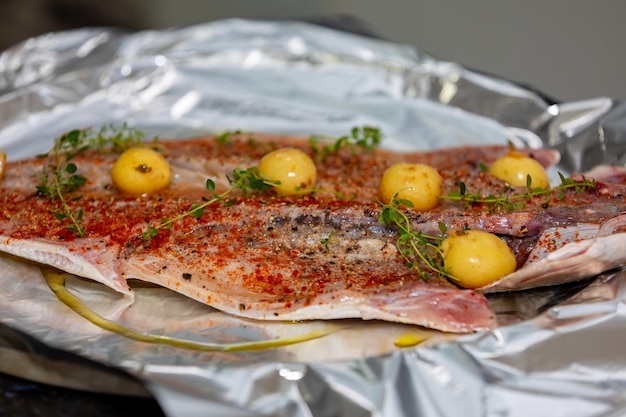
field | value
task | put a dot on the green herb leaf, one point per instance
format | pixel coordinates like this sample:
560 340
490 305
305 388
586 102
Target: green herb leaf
405 202
60 177
364 138
196 211
246 180
512 202
421 252
71 168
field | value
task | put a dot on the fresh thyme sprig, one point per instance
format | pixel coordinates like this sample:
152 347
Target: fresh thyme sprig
246 180
225 138
366 138
249 180
517 201
114 139
72 181
60 177
420 251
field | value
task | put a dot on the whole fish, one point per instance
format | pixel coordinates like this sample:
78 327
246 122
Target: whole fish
321 256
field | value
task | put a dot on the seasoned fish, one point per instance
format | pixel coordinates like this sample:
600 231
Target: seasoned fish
569 248
321 256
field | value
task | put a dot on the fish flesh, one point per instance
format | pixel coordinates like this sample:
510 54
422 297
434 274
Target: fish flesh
319 256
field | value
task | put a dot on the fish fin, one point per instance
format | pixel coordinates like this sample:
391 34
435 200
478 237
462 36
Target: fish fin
98 264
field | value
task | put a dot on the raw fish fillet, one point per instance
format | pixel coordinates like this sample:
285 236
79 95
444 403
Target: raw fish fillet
266 257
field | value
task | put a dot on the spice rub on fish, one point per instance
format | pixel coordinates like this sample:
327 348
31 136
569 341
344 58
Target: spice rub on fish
324 255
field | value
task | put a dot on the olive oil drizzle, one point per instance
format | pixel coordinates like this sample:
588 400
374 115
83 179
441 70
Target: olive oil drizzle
56 282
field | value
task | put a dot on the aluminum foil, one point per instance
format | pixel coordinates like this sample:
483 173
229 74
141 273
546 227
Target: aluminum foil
557 351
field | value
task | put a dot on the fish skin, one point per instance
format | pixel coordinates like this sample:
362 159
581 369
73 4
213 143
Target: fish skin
263 257
608 174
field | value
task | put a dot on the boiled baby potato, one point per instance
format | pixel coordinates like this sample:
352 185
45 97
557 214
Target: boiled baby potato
293 170
418 183
140 171
515 167
477 258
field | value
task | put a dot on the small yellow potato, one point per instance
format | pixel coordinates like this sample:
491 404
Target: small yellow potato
477 258
141 171
294 169
418 183
514 167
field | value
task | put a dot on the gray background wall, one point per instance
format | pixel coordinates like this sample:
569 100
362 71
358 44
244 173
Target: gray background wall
569 49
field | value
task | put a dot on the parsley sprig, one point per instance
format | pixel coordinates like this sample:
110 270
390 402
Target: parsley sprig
420 251
60 177
512 202
247 180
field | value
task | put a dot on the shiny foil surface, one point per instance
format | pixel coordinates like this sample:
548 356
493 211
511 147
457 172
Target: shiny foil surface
557 351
